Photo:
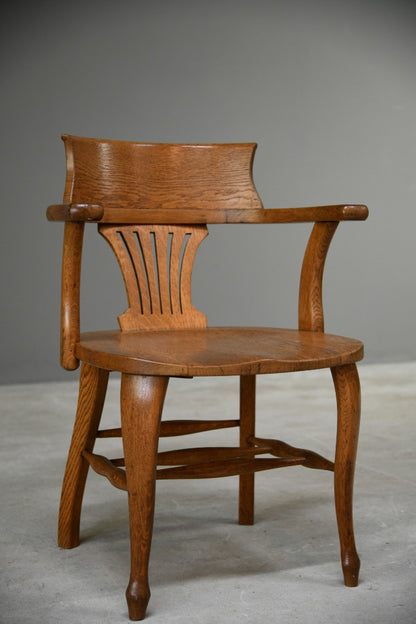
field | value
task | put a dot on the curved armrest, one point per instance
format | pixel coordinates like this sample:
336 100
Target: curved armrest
168 216
75 212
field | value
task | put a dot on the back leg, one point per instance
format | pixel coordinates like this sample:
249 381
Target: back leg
92 390
247 430
347 387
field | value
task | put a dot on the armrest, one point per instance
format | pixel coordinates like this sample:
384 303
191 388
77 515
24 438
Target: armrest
169 216
75 212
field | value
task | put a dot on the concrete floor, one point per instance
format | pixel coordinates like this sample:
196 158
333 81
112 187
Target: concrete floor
205 568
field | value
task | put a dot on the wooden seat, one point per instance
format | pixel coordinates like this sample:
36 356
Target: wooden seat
216 351
152 204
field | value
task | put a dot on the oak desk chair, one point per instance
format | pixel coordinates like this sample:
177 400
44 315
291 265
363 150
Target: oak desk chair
152 203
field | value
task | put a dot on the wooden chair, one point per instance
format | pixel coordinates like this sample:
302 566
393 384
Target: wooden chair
152 203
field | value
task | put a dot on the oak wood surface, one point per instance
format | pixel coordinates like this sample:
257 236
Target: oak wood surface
156 263
141 410
348 394
92 391
234 462
152 203
126 174
282 449
216 351
170 428
122 181
247 431
192 215
310 308
107 468
70 293
226 468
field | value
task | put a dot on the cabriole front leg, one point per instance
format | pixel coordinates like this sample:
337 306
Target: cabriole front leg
142 400
347 388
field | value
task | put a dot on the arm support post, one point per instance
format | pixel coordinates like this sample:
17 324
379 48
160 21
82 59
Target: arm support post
71 277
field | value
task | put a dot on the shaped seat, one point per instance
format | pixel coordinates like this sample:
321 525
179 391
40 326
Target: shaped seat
216 351
152 204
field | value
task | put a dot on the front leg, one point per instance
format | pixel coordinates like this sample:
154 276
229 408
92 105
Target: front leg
347 387
142 400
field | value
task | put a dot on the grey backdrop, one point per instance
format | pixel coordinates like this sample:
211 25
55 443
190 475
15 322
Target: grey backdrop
327 88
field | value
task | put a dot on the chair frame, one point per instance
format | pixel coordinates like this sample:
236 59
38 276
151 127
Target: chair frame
143 389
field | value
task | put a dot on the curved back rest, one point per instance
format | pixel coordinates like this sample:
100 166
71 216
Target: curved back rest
123 174
156 261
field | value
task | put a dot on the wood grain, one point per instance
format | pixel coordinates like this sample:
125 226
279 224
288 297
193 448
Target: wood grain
152 203
141 409
127 174
216 351
92 390
247 431
169 428
196 215
156 263
348 393
70 293
108 469
282 449
311 311
226 468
